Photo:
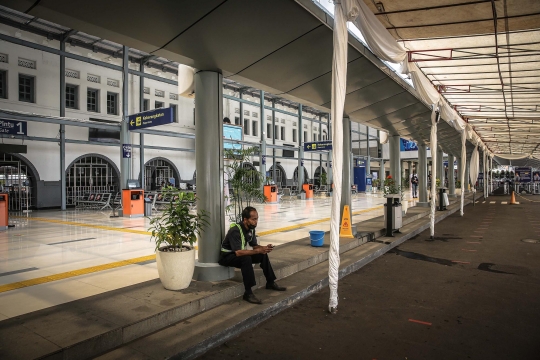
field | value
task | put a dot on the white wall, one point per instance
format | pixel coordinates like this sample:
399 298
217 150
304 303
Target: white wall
45 156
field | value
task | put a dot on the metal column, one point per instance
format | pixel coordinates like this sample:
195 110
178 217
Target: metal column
467 175
209 167
395 161
274 165
382 173
125 163
262 155
422 176
439 171
346 179
451 178
368 165
300 177
458 159
63 127
320 154
484 166
330 179
142 168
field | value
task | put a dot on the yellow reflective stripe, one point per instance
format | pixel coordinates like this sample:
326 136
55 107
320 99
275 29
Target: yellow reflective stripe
241 235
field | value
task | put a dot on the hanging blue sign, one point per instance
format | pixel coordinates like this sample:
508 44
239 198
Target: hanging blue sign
360 163
263 159
126 151
523 174
150 118
406 145
13 127
318 146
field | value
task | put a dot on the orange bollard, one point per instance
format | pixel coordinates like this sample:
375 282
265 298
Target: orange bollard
513 199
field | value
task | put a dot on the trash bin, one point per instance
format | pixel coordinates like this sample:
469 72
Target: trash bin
147 207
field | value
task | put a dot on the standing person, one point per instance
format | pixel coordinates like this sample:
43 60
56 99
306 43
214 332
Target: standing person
234 253
414 182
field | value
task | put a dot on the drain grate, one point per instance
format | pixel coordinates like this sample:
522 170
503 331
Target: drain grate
531 241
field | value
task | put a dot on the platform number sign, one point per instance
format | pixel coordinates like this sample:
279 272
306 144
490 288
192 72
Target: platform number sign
126 151
11 127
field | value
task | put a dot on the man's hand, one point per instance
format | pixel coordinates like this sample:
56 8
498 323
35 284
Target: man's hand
263 249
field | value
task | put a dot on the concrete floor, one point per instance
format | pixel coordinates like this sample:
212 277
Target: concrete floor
471 293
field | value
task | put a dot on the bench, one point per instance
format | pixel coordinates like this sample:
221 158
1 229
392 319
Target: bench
98 201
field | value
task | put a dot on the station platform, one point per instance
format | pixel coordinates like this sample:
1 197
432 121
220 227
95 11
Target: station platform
53 257
117 323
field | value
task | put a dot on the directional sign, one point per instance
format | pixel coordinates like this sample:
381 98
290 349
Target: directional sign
264 159
13 127
150 118
126 151
318 146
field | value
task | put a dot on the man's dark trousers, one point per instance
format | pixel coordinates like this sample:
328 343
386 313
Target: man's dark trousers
245 263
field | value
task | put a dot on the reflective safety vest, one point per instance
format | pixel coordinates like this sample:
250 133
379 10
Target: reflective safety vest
241 236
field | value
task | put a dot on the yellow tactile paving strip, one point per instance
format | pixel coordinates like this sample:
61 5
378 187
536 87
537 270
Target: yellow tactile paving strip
73 273
116 264
101 227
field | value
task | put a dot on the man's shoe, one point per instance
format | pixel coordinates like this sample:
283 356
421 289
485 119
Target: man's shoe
251 298
275 286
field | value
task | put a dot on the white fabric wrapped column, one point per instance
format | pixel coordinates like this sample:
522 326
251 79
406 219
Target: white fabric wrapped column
339 78
463 167
474 168
491 176
433 146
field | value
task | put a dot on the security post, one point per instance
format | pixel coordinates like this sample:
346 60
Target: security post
392 214
443 198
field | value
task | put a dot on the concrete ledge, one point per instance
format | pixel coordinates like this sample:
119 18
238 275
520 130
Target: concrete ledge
196 338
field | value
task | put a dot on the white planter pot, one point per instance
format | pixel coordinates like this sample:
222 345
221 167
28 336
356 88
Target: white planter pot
404 206
175 269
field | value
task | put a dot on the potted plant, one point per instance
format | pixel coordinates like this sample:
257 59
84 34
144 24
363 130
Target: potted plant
390 187
245 182
375 184
175 230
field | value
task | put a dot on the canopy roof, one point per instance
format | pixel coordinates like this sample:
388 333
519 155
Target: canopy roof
484 56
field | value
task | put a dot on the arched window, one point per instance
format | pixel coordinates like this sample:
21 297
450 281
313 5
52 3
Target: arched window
317 175
281 176
91 173
295 176
159 172
18 178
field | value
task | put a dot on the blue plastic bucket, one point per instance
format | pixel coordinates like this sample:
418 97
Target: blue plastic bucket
316 237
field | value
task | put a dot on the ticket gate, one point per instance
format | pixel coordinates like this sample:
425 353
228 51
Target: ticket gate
132 203
271 194
308 188
4 211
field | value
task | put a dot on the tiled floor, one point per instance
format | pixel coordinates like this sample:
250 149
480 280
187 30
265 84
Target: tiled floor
48 248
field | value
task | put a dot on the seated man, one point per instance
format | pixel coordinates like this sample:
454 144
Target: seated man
234 253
